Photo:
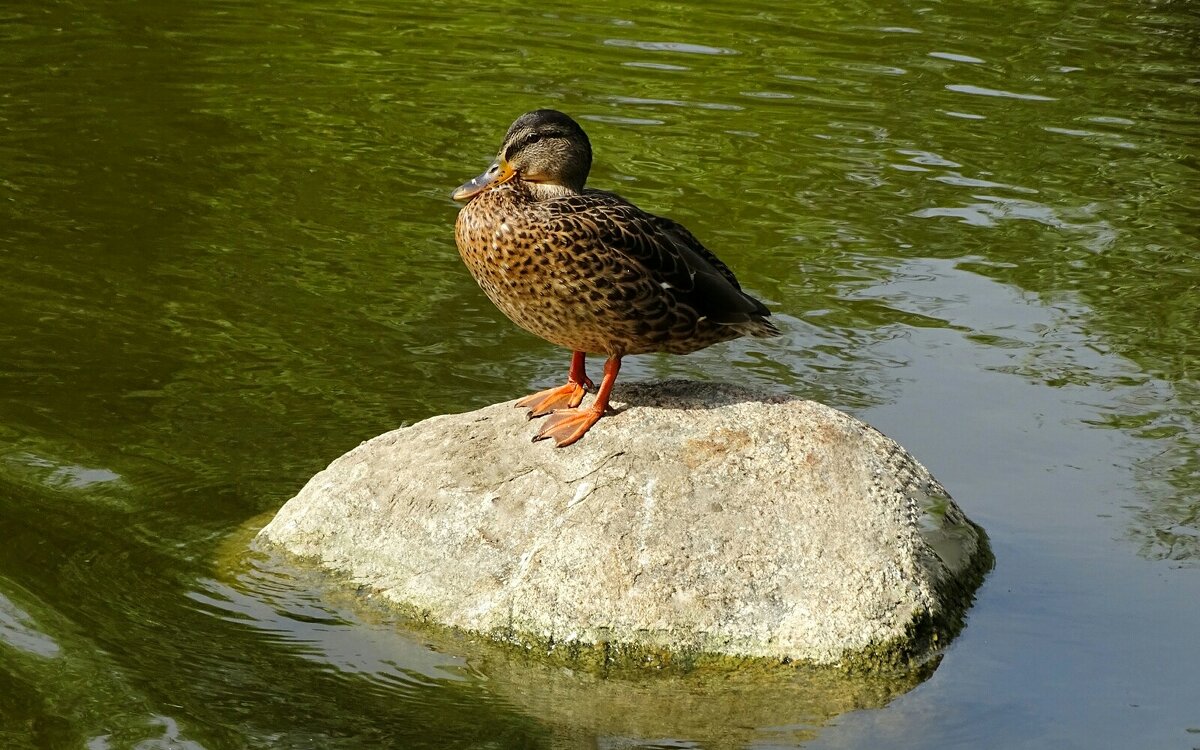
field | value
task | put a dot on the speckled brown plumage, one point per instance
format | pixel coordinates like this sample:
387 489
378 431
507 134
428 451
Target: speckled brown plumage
586 269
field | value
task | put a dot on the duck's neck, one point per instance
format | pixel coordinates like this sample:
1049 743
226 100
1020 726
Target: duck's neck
544 191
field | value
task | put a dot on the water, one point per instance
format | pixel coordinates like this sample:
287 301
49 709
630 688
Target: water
226 257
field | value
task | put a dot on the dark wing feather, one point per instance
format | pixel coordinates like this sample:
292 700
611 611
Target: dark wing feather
670 255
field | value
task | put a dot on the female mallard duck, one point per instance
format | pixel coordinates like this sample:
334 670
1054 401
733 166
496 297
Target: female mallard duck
587 270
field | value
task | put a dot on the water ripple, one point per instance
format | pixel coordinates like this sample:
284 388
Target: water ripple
962 88
955 57
646 101
295 615
18 630
683 47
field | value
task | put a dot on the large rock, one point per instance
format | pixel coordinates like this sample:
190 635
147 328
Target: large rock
698 523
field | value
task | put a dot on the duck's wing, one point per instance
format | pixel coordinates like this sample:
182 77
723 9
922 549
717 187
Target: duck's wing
665 252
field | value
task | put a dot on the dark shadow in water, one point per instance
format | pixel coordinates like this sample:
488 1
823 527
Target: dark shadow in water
690 395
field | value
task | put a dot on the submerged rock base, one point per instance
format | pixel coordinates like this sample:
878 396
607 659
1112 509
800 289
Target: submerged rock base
700 523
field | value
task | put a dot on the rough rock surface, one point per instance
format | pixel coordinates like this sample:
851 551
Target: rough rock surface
700 519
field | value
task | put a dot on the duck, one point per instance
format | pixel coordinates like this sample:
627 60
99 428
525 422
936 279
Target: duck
589 271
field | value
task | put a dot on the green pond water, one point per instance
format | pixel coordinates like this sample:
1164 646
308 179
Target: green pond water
227 256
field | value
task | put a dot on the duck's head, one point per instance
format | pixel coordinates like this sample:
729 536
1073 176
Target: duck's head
543 148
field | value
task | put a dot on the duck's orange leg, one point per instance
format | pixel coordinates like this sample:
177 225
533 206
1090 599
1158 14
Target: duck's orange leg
568 425
564 396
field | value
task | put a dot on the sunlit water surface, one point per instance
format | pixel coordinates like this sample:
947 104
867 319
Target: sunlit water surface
226 257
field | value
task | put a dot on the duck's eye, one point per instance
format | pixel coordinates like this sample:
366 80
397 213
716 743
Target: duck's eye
518 146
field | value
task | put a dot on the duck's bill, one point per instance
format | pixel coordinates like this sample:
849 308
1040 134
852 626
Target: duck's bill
497 174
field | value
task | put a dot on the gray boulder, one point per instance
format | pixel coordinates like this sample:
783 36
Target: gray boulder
701 523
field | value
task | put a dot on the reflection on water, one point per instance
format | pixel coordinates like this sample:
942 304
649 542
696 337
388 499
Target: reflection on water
292 614
304 610
163 734
18 630
226 257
